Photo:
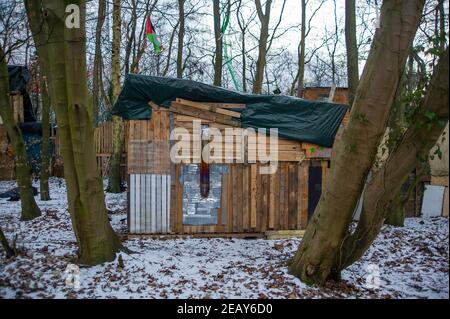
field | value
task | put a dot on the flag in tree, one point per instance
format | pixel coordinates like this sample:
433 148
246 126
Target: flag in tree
151 36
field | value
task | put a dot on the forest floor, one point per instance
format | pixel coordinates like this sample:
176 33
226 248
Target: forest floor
408 262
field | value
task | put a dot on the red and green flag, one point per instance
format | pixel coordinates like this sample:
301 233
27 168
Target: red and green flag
151 36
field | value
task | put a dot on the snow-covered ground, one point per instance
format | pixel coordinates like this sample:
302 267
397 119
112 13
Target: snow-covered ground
409 262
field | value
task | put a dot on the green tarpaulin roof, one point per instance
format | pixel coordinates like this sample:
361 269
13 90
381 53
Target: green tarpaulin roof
309 121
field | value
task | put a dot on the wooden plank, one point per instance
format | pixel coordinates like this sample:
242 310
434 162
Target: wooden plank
186 118
239 190
203 114
207 107
445 204
230 194
277 197
286 196
264 201
179 193
154 106
282 202
305 169
245 200
235 180
192 234
253 194
272 196
299 195
316 151
226 105
283 156
439 180
224 200
293 189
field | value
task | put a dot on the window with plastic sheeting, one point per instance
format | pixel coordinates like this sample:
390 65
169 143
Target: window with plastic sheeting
199 210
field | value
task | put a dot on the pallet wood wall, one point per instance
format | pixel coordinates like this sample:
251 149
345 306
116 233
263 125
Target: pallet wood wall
288 150
252 202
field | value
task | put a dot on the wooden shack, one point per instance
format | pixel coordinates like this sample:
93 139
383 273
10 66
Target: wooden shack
247 203
205 161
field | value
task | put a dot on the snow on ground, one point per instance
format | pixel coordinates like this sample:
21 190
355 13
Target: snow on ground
409 262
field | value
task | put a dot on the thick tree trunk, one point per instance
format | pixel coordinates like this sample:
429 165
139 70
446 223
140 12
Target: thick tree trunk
114 177
45 155
301 52
379 196
66 49
352 49
8 250
314 259
97 77
29 208
218 61
264 18
180 39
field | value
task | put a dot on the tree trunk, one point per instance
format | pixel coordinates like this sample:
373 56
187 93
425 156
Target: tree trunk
264 18
45 155
352 49
66 49
97 77
169 51
218 61
8 250
180 39
243 29
29 208
313 261
396 212
301 52
244 65
130 37
415 146
114 178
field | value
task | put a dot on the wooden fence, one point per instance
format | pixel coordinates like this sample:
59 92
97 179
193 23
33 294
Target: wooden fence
103 143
